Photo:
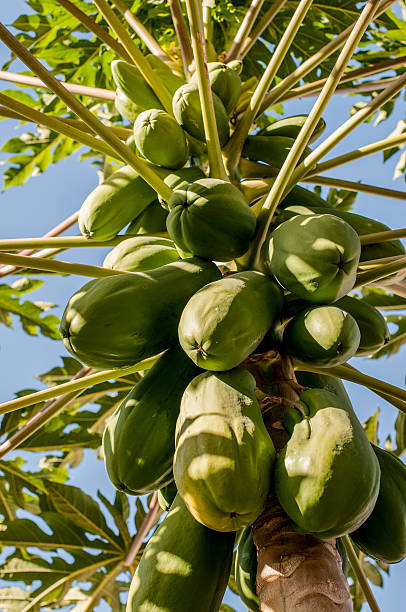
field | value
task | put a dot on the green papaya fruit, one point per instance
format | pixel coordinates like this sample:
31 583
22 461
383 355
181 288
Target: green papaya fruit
246 571
361 224
383 535
114 203
272 150
166 495
291 126
188 113
324 336
160 139
225 83
152 220
328 383
184 567
139 254
116 321
125 106
211 217
178 179
225 321
139 438
314 256
372 325
224 456
327 476
342 551
304 197
131 82
170 79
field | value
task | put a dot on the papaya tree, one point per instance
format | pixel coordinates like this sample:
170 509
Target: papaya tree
204 359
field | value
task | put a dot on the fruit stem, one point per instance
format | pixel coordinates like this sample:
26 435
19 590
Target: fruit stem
244 29
67 241
380 272
60 267
374 147
207 21
263 24
142 32
352 186
149 521
217 169
75 385
359 573
312 62
80 90
94 27
136 56
383 236
182 35
124 152
234 147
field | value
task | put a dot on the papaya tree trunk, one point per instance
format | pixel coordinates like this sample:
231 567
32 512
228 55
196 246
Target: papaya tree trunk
296 572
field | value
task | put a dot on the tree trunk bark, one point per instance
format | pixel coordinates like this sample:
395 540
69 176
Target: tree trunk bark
296 572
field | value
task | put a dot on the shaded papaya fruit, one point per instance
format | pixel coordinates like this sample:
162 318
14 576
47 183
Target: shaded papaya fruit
225 82
246 571
138 254
152 220
314 256
125 106
224 322
328 383
224 456
139 438
166 495
324 336
372 325
272 150
178 179
291 126
184 567
305 197
116 321
160 139
131 82
327 476
188 113
114 203
383 535
211 217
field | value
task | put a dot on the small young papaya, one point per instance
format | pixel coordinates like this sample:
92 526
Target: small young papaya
324 336
225 82
114 203
131 82
160 139
224 322
212 218
372 325
383 535
291 126
184 567
152 220
272 150
188 113
224 456
314 256
138 254
327 476
116 321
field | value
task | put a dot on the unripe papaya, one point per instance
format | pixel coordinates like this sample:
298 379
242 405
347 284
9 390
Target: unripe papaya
138 254
152 220
324 336
125 106
225 83
246 571
188 113
328 383
272 150
178 179
372 326
116 321
327 476
160 139
131 82
170 79
383 535
166 495
184 567
304 197
114 203
291 126
224 456
314 256
224 322
139 438
211 217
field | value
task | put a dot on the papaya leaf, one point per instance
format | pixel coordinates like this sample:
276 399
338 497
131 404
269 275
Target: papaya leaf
119 510
383 300
372 573
400 428
341 198
371 428
13 599
397 339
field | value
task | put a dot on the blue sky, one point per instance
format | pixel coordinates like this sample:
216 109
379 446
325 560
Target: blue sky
47 199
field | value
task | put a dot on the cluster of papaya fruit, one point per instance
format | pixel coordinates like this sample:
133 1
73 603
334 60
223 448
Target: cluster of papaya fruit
192 428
